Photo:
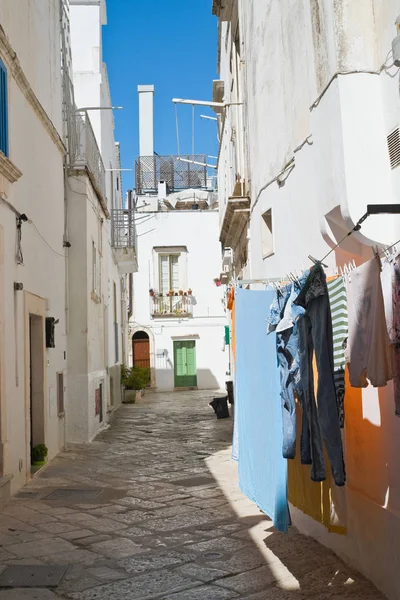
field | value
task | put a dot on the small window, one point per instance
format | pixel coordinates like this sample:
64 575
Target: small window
267 238
60 393
117 183
3 110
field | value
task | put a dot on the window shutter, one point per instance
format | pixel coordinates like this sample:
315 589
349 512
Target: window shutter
175 272
164 274
3 109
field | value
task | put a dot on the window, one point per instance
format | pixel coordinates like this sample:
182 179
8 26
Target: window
267 239
60 394
94 268
3 110
169 272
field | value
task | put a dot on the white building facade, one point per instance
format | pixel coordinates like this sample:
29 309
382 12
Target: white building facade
178 323
33 259
313 105
102 236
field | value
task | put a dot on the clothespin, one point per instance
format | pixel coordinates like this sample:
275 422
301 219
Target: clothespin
354 264
341 271
315 261
375 250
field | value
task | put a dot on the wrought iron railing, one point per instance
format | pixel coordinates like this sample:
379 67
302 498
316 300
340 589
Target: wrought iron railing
171 306
123 230
178 174
83 150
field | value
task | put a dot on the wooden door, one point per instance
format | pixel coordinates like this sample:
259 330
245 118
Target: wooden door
141 352
185 370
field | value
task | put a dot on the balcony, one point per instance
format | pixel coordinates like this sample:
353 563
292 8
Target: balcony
83 150
176 173
124 240
235 220
175 306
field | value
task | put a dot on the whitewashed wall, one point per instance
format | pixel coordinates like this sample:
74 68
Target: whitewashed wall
198 231
291 52
32 30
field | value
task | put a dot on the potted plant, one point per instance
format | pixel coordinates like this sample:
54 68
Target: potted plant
138 380
39 454
217 281
151 292
171 292
189 292
181 292
185 293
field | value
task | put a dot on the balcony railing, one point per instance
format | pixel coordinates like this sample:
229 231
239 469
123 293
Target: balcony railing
83 150
123 230
178 174
171 306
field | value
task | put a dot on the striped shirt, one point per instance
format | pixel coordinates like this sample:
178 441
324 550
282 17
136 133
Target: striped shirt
338 302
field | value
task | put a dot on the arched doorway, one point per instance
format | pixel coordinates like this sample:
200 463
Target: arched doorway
141 349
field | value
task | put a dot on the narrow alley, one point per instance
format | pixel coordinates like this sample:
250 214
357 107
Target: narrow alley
152 509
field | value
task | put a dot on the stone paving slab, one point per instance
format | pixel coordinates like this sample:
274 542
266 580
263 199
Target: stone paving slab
170 522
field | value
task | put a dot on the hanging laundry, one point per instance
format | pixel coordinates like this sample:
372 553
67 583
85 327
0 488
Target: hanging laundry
232 307
283 320
262 469
390 279
320 419
369 352
338 302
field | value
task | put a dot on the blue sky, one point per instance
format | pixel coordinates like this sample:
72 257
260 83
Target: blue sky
173 45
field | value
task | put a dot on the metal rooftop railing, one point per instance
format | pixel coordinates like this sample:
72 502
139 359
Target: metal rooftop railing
178 174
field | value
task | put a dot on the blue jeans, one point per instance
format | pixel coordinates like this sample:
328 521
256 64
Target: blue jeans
285 313
321 418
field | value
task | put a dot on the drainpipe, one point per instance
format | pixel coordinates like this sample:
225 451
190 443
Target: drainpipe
130 283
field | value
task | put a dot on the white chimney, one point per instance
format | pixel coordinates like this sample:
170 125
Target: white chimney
146 120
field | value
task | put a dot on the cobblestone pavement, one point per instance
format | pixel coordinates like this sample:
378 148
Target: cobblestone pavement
152 509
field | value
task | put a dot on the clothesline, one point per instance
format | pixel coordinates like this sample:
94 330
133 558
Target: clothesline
241 282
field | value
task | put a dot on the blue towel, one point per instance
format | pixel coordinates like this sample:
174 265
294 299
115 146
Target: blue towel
262 469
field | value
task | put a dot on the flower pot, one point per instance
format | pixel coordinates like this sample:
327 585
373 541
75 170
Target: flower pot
138 394
151 293
190 292
129 396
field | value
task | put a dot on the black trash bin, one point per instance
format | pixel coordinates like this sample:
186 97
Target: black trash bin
220 406
229 389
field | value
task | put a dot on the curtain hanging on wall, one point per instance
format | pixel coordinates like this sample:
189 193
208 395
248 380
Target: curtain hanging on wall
262 468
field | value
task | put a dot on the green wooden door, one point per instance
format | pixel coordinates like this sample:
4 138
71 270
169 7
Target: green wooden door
185 364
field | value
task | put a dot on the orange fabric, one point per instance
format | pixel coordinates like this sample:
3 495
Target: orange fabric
231 307
323 502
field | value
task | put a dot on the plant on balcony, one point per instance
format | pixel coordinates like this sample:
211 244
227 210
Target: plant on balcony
217 281
151 292
171 292
181 292
185 293
189 292
39 454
